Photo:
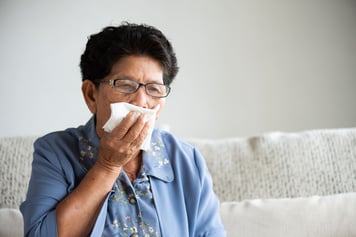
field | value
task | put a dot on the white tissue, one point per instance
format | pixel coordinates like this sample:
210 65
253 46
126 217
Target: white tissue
121 109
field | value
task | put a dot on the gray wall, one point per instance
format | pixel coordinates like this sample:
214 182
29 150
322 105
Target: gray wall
247 66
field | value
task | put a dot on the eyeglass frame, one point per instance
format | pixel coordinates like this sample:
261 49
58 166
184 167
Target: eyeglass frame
112 83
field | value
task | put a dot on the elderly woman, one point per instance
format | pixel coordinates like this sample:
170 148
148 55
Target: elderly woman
90 182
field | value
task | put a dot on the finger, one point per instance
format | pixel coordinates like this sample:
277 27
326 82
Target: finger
142 135
136 130
117 152
124 126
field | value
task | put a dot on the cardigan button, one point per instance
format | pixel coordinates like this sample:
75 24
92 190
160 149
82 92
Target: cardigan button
134 235
132 200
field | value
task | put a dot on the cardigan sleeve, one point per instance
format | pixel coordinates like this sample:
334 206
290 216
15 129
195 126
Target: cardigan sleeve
208 222
53 177
47 187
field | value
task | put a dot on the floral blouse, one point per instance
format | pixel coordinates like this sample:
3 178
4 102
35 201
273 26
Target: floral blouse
131 208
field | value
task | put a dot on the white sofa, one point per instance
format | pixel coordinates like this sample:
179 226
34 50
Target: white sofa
273 184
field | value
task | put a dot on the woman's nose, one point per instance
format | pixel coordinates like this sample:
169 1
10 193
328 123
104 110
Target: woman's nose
140 98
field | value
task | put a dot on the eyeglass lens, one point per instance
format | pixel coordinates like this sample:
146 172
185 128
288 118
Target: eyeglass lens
129 86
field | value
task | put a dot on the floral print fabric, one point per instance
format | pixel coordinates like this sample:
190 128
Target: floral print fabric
131 210
131 207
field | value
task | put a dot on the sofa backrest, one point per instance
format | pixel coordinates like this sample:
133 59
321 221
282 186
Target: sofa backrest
15 169
272 165
282 165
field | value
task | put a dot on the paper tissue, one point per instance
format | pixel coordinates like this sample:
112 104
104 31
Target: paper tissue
121 109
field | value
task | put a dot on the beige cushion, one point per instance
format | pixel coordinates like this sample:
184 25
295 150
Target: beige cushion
11 223
316 216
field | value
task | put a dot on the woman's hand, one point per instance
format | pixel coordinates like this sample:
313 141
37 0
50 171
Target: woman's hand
115 150
123 143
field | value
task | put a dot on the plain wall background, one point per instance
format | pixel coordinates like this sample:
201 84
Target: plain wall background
246 66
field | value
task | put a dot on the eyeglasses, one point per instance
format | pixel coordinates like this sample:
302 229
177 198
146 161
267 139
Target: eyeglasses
128 86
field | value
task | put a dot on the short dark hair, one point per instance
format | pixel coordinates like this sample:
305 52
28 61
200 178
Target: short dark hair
105 48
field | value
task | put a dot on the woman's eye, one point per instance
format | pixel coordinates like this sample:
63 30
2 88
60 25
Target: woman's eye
123 84
126 86
154 88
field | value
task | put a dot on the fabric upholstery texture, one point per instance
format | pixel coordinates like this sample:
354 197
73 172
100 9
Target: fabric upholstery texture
15 169
282 165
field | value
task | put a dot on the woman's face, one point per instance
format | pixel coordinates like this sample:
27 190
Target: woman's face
142 69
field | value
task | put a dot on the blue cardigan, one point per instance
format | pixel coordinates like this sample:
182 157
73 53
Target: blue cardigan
180 181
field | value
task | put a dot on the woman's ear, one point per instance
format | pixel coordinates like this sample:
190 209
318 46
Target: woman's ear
89 94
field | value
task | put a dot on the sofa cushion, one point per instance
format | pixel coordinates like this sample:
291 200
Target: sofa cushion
11 223
326 216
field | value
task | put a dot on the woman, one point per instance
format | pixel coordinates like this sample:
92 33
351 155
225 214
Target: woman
88 182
